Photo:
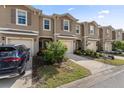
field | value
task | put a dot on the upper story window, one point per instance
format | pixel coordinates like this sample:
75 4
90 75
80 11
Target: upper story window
92 30
46 24
78 29
119 34
21 17
107 32
66 25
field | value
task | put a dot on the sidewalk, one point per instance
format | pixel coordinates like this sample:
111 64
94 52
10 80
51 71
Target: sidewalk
119 57
92 65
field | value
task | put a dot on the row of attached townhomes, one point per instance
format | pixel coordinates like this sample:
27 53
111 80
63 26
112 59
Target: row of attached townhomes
22 24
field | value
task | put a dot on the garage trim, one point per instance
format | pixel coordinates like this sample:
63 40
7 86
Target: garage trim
7 39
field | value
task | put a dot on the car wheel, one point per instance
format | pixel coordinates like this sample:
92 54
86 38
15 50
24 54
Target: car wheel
23 71
21 74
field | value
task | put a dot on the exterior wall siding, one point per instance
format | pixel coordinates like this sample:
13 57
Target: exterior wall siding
8 18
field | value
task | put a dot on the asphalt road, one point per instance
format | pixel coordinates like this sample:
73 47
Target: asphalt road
113 82
13 82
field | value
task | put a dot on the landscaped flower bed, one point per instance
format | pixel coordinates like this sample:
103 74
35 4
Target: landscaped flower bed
51 68
88 53
53 75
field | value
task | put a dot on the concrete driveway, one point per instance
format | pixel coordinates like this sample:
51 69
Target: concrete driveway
92 65
119 57
19 81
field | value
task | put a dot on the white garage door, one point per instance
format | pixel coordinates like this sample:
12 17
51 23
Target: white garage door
108 46
27 42
69 45
92 45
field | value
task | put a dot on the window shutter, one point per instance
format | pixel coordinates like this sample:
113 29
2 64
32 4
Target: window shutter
62 24
29 20
13 16
52 24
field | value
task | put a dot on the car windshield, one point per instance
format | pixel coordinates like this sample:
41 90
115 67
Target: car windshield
7 52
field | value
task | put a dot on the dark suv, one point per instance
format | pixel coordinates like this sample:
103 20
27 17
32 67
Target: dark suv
13 59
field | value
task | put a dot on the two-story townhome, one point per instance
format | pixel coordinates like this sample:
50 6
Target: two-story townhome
19 24
90 35
68 30
62 27
106 37
117 35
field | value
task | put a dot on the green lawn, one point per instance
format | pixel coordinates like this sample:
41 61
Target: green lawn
53 76
116 62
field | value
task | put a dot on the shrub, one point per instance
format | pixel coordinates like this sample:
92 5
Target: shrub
54 52
88 52
41 52
78 52
118 45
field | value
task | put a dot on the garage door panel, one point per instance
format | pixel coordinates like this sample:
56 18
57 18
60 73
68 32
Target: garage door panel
69 45
108 46
27 42
92 45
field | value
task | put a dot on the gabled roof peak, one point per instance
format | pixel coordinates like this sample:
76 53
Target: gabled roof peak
66 14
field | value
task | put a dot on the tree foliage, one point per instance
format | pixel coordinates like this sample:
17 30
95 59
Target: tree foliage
54 52
118 45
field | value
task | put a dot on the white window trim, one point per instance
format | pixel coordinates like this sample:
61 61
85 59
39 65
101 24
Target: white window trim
107 31
90 30
49 24
17 23
119 34
68 25
78 29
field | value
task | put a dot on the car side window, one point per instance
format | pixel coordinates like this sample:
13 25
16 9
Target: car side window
24 47
21 49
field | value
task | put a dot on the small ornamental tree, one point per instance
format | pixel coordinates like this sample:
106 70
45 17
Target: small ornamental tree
54 52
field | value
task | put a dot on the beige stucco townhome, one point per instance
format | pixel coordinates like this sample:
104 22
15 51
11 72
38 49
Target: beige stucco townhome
106 37
19 25
90 36
64 28
117 34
